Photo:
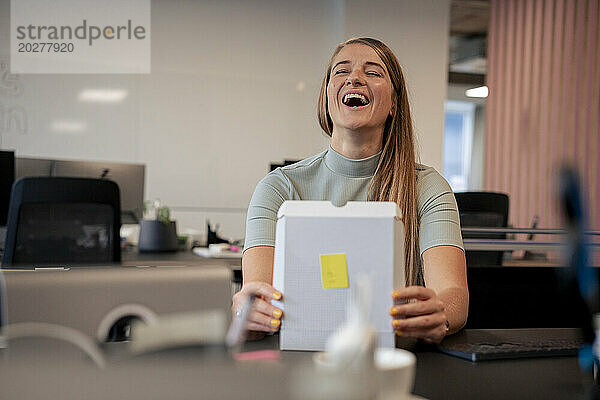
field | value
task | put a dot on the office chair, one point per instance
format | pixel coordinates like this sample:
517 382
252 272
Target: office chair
274 166
53 221
483 210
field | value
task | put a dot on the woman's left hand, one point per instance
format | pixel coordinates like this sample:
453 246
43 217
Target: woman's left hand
418 313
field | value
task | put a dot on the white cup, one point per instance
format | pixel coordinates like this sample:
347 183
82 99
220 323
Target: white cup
395 372
391 376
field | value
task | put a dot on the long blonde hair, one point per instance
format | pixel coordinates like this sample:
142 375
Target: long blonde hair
395 178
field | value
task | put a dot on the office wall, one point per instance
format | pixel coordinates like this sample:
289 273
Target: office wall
543 107
233 87
417 32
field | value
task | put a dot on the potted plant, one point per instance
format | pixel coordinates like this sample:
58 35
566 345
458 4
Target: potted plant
157 231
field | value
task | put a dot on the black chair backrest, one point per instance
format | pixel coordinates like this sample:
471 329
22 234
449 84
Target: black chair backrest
483 210
7 178
524 297
55 220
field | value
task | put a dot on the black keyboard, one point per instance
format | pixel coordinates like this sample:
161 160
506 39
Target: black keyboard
515 348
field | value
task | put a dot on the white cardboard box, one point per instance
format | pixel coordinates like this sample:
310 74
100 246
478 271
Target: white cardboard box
370 234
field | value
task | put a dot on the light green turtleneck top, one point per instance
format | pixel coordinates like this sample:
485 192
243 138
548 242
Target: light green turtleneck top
331 176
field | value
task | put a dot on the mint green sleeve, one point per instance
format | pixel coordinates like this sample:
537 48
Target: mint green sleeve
261 219
438 213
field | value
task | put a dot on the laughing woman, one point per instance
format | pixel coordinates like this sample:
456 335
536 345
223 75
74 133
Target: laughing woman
363 106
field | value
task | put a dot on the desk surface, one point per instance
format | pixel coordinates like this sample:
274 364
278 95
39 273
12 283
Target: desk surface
132 257
444 377
43 368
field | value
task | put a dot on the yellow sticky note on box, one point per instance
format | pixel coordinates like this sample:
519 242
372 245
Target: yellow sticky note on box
334 271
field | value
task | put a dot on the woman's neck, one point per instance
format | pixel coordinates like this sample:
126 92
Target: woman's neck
356 145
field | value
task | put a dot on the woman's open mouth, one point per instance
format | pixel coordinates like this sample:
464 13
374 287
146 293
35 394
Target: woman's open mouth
355 100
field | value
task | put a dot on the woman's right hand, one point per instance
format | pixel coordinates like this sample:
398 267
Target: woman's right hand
263 317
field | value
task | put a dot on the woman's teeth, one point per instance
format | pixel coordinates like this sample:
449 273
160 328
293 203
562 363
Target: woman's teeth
355 100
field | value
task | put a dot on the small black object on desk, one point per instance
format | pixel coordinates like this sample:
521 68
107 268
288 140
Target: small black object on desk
157 236
212 237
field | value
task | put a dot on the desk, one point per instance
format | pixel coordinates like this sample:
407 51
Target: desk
443 377
131 257
41 368
515 262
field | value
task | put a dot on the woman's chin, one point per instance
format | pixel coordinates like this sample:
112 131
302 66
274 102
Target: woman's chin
356 126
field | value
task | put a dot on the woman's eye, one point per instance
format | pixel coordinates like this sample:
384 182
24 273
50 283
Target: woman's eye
340 71
373 73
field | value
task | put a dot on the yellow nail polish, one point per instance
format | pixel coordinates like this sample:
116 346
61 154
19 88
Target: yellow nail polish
396 323
392 311
277 313
275 323
395 293
277 295
398 333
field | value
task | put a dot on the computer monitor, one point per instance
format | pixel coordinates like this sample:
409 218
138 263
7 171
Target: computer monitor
129 177
7 177
94 299
32 167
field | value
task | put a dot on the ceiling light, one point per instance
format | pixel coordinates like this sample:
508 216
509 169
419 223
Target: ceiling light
103 95
481 91
68 126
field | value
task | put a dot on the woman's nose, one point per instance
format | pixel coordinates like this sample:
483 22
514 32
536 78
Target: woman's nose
354 79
